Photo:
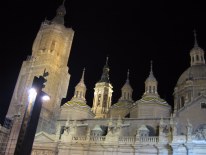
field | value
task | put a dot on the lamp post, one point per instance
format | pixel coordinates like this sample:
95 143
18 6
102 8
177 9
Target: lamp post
31 116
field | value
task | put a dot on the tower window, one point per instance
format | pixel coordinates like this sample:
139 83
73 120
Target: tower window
182 101
153 89
53 45
197 57
99 97
150 89
124 95
203 105
193 59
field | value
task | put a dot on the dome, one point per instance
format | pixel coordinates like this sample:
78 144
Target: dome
127 86
77 104
122 104
76 110
194 72
196 49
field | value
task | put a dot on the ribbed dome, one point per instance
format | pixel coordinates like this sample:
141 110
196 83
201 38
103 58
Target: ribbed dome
81 84
127 86
77 104
197 49
194 72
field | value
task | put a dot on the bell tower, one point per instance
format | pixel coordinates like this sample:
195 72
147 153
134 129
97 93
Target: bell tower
50 51
102 94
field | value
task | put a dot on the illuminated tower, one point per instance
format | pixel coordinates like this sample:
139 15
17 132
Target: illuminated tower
50 51
102 94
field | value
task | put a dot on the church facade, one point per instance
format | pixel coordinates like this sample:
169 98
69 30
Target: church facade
128 127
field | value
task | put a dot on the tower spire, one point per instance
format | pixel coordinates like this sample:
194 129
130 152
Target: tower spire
151 83
82 79
196 53
151 71
80 90
126 91
60 13
127 81
195 39
107 60
151 75
105 74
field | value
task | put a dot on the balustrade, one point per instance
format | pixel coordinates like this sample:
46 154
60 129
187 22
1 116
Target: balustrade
122 140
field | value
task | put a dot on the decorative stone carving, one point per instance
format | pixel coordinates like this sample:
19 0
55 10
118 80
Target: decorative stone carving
189 127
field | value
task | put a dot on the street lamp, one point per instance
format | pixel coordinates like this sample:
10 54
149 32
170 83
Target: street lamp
31 116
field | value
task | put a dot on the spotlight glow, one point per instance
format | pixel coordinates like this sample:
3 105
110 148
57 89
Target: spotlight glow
32 94
45 98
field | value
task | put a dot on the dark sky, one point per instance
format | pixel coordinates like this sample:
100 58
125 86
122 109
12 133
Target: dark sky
130 33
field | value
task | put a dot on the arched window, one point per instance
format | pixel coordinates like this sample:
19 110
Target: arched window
77 93
182 101
150 89
153 89
99 99
197 57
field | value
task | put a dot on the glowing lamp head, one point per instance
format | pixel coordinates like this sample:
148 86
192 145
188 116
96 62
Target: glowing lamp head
45 98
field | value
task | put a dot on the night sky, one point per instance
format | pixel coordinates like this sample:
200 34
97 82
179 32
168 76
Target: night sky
131 34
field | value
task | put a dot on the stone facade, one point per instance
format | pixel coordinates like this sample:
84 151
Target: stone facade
4 133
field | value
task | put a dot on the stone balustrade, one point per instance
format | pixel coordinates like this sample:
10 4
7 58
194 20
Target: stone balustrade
127 140
122 140
94 139
97 138
147 140
79 138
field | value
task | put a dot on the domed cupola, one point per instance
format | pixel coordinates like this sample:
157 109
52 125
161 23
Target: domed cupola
151 84
60 13
192 83
196 53
150 105
77 108
121 108
80 90
127 90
